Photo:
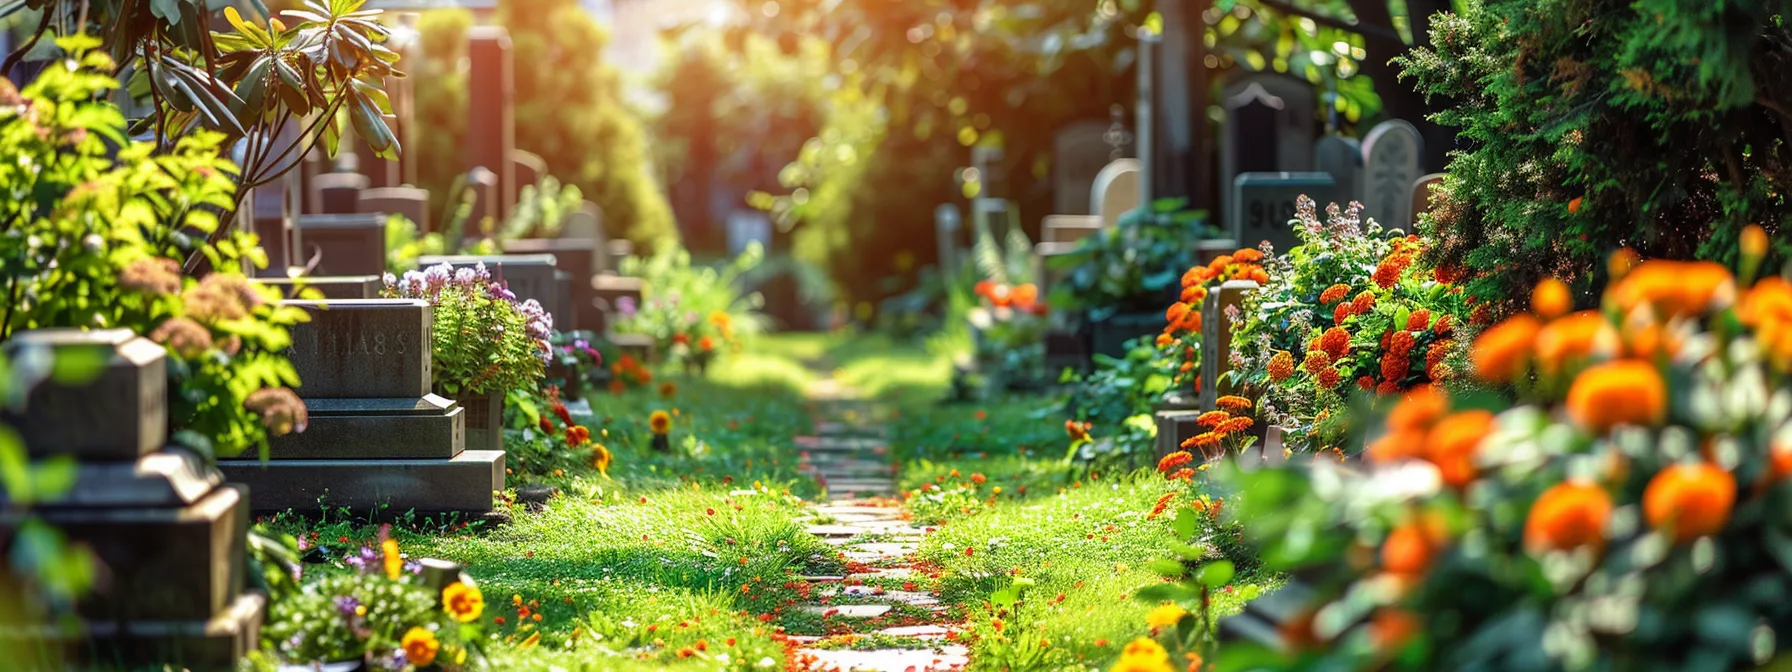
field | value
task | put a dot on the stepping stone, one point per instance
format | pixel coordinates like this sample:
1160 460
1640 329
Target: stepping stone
861 485
822 579
864 557
835 530
894 549
890 660
917 631
860 512
890 573
847 610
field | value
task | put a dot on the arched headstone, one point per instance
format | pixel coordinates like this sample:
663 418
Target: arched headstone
1116 190
1391 164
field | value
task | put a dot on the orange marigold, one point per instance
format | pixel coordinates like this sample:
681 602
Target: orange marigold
1571 338
1334 293
1162 503
1396 445
1316 360
1234 426
1551 298
1691 500
1502 353
1212 418
1387 273
1419 320
1446 275
1174 461
1394 366
1392 628
1233 403
1367 383
1335 342
1363 303
1203 440
1247 255
1567 516
1174 314
1452 443
1219 263
1196 276
1257 275
1418 410
1401 343
1407 551
1183 474
1078 431
1329 377
1194 295
1387 387
1626 392
1281 366
1443 325
1675 288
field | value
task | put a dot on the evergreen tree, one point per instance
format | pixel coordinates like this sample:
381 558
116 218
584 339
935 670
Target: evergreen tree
1592 125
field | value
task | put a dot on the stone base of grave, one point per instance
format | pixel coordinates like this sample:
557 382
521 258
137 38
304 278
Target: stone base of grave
214 644
1066 349
1175 427
331 287
430 427
463 484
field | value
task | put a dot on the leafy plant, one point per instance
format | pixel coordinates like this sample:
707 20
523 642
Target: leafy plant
1110 408
1134 265
485 339
92 231
693 311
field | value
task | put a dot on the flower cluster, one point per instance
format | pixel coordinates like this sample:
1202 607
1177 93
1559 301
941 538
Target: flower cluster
545 440
628 373
485 340
1181 337
1642 479
1222 433
1023 297
1349 309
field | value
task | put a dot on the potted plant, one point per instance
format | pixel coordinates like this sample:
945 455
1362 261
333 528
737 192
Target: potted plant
486 342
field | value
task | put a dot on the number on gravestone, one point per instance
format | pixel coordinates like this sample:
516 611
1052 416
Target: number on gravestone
1287 212
1257 214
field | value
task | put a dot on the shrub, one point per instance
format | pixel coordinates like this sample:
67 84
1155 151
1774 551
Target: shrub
694 312
1132 266
485 339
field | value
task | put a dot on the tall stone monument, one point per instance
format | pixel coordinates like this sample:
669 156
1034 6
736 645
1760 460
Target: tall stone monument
491 122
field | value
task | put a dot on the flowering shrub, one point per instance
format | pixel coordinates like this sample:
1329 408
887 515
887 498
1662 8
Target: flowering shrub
1629 513
1010 325
1348 309
1111 425
628 373
95 228
694 312
1181 338
379 613
484 339
576 364
542 439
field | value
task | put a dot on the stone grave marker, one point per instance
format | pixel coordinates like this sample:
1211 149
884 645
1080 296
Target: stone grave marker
344 244
578 258
168 533
1068 228
614 297
587 224
1115 191
491 124
1266 202
377 434
1342 158
1216 342
1209 249
331 287
746 227
1270 127
411 202
339 193
528 276
1079 151
1391 161
620 249
946 224
1421 194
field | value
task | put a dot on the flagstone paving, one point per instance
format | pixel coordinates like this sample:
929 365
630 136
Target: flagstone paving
913 630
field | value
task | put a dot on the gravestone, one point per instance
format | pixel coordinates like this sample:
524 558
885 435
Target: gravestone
411 202
1115 191
1266 202
1391 163
491 125
620 249
1209 249
1044 267
331 287
351 244
746 227
377 435
273 224
1421 193
1068 228
168 534
946 224
528 276
339 193
578 258
1269 127
1216 341
587 224
1342 158
1079 151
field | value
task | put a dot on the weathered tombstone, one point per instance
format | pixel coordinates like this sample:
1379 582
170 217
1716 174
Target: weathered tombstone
483 184
378 436
1216 340
168 533
1269 127
1342 158
1266 202
1421 193
946 224
578 258
339 193
1068 228
587 224
528 276
1391 161
529 168
411 202
1043 254
1115 191
491 125
1079 151
331 287
353 244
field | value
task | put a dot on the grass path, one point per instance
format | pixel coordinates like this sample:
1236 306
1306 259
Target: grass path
882 613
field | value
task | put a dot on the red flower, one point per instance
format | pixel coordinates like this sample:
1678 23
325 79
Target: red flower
564 415
547 426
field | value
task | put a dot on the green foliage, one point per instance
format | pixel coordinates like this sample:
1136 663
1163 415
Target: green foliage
1591 125
365 613
439 88
404 244
686 306
1133 266
484 339
95 238
1117 398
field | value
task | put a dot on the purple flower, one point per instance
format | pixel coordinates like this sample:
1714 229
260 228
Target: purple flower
389 280
436 277
463 276
355 561
480 273
346 605
413 566
626 305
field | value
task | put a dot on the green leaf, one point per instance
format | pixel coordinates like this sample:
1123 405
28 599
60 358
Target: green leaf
1188 552
79 366
1215 574
1162 592
1169 569
166 10
1186 523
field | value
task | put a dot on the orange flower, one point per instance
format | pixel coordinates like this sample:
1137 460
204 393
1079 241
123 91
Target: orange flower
1174 314
1571 338
1212 418
1247 255
1780 458
660 422
1418 410
1443 324
1419 320
1234 426
1342 312
420 647
1408 550
1202 440
1675 288
1233 403
1316 360
1174 461
1219 263
1257 275
1502 352
1624 392
1329 377
985 288
1551 298
1335 342
1446 275
1162 503
1194 295
1574 205
1567 516
1452 443
1024 296
1078 431
1691 500
1281 366
1395 446
706 344
1363 303
1334 293
1392 628
1621 262
1194 277
1754 241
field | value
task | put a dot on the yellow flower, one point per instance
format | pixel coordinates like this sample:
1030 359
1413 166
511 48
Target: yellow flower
1754 241
660 422
1143 655
420 647
1165 615
600 458
394 562
463 602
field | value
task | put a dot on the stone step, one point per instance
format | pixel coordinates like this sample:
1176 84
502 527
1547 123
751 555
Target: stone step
909 597
917 631
948 658
890 573
464 483
854 611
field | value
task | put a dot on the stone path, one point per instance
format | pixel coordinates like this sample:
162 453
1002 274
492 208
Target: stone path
880 615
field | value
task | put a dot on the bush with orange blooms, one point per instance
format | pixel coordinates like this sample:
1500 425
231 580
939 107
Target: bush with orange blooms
1349 311
1633 509
1181 337
1008 331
